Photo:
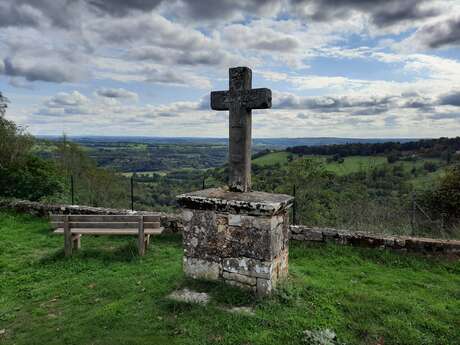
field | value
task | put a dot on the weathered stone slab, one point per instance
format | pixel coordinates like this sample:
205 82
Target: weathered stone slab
240 278
189 296
201 269
221 200
247 266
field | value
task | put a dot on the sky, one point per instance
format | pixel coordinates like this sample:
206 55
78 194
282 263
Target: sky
336 68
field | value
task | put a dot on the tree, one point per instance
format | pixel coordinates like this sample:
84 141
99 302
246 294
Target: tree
15 143
23 175
32 179
430 166
3 104
445 198
93 185
316 202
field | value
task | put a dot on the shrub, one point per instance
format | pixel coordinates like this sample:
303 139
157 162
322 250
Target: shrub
445 198
430 166
33 178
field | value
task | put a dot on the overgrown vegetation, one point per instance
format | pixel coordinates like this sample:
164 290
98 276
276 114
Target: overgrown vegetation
106 294
22 174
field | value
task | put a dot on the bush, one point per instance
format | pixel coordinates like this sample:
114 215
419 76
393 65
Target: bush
23 175
430 166
445 198
393 158
32 179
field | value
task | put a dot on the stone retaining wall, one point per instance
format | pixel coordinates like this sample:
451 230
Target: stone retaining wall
363 239
171 222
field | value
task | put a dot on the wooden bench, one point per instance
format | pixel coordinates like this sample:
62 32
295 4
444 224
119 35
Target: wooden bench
75 226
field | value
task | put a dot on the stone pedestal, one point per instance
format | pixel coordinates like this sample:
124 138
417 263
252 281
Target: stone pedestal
239 238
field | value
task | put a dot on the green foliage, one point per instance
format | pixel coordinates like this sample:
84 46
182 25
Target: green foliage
444 200
315 199
106 294
3 104
21 174
93 186
32 179
15 143
393 157
430 166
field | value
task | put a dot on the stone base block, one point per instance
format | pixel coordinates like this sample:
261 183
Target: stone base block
239 238
258 276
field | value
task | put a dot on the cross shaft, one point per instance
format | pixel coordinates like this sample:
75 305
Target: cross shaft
240 99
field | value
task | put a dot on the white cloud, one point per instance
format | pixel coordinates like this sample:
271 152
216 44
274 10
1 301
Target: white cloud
103 52
117 93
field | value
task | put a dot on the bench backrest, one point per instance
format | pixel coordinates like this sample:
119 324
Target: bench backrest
105 221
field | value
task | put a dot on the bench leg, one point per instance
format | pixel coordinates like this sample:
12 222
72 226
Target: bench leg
68 243
76 242
141 237
141 246
147 241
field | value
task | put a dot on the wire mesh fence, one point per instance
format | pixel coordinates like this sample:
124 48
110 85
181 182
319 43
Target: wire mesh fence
397 215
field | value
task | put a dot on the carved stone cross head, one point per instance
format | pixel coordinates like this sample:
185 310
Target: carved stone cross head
240 99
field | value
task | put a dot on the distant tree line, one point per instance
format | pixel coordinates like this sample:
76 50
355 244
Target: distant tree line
442 147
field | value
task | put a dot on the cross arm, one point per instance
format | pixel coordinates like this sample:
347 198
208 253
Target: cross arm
219 100
250 99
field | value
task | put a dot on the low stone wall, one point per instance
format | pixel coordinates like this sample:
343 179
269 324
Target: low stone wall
170 221
363 239
173 223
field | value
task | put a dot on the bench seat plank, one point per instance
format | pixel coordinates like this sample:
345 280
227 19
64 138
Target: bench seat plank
109 232
106 225
104 218
75 226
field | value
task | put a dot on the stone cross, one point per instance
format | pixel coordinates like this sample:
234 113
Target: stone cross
240 99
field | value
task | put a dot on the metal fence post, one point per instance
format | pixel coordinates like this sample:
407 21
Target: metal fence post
443 221
204 182
72 190
413 220
294 207
132 192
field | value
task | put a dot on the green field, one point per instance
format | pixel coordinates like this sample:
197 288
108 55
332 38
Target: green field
350 164
354 164
272 158
105 294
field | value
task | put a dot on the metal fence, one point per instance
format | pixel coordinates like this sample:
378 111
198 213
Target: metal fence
407 218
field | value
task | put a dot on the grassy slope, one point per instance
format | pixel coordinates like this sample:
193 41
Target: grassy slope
107 295
350 164
355 164
273 158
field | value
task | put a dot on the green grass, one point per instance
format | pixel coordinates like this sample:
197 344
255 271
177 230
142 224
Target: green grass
354 164
148 173
105 294
350 165
272 158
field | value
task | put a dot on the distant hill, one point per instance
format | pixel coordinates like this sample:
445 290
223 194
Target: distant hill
427 147
259 143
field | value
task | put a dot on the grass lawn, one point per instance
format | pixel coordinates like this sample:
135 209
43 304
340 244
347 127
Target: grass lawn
107 295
